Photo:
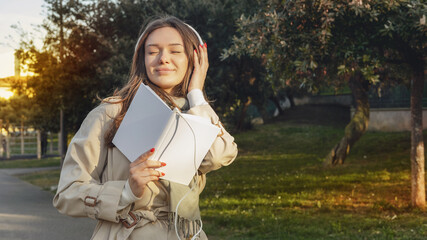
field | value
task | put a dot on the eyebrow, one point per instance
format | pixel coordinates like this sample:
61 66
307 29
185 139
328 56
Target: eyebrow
172 44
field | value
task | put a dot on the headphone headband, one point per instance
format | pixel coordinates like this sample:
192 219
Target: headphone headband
197 34
194 30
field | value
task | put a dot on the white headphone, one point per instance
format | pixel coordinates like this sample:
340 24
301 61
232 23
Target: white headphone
194 30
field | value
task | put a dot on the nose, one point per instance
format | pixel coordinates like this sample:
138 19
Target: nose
164 57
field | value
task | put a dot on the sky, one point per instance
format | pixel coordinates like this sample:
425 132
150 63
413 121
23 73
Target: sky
26 12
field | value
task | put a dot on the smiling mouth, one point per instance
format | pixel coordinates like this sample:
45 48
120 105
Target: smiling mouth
164 71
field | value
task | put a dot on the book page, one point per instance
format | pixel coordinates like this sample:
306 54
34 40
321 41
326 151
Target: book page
184 151
143 124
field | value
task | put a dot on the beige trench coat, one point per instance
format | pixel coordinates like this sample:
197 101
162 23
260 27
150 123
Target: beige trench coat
93 177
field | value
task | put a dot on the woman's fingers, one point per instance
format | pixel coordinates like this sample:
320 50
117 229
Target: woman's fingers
201 57
148 172
196 58
143 157
204 63
147 164
151 172
139 177
142 171
138 183
201 65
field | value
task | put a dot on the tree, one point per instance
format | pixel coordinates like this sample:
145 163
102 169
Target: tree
311 44
317 43
66 67
98 39
407 30
15 112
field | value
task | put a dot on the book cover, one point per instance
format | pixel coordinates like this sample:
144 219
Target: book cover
181 140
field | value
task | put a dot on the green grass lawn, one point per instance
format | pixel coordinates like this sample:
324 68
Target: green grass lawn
47 180
278 189
30 163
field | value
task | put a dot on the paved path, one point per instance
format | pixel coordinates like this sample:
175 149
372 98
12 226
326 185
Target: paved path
26 212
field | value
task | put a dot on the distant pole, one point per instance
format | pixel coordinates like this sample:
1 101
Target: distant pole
22 137
62 137
1 138
39 145
51 142
7 146
59 142
61 56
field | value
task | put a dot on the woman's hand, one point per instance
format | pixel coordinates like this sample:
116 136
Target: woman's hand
141 172
201 65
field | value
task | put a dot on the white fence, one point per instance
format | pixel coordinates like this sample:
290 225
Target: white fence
25 143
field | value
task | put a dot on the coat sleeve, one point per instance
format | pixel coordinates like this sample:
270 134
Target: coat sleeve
224 150
80 191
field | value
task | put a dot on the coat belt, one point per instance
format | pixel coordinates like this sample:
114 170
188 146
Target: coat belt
140 218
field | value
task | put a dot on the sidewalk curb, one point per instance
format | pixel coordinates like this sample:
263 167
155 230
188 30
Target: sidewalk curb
19 171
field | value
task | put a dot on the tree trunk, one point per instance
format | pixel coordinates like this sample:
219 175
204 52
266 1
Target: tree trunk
240 123
418 196
63 136
290 96
276 102
358 124
63 139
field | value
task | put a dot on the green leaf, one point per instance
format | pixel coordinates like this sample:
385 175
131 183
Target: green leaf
313 64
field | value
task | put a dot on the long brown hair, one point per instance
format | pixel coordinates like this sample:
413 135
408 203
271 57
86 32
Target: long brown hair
138 73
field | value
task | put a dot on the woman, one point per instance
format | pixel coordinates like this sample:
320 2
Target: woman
128 199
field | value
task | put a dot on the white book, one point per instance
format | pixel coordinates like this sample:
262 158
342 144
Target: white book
149 123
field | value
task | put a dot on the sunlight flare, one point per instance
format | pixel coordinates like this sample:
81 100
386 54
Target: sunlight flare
5 93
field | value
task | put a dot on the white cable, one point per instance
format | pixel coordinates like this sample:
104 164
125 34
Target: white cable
192 188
